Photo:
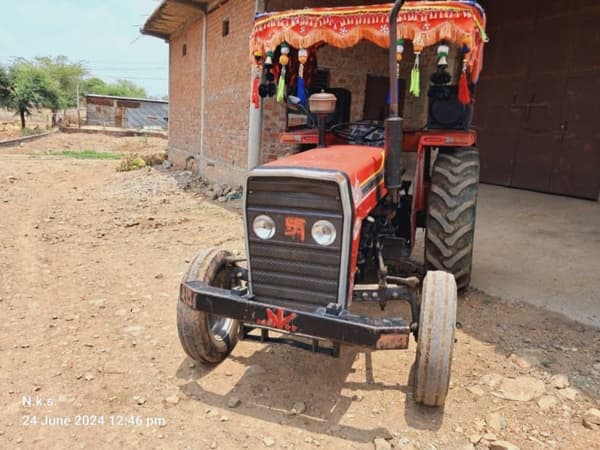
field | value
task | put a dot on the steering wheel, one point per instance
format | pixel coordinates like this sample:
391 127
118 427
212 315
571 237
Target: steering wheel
367 132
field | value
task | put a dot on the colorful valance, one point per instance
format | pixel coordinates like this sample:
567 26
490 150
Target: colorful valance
423 23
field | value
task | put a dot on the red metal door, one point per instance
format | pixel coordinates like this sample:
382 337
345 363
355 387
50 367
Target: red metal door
502 85
537 124
576 167
576 164
541 106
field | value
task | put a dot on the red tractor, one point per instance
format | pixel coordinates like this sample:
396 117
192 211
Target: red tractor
335 225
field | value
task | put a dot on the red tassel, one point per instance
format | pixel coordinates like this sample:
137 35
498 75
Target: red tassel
255 99
464 95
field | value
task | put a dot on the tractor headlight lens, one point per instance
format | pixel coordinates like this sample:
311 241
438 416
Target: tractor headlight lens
323 232
263 226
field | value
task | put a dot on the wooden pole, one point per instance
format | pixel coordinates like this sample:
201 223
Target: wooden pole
78 114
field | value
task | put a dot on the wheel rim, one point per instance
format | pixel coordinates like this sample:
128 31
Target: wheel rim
219 326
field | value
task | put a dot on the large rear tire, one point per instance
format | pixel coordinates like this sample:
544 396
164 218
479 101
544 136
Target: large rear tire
451 213
435 344
205 337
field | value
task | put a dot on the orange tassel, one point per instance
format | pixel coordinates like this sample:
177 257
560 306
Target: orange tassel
255 99
464 95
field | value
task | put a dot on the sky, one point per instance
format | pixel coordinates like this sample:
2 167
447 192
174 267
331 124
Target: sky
101 34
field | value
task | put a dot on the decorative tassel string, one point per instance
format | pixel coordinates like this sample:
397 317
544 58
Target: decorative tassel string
464 94
424 23
266 87
257 80
281 86
284 59
442 54
415 78
301 94
399 49
302 59
255 99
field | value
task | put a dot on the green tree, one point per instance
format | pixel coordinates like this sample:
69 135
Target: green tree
4 87
30 87
121 88
51 82
93 86
126 88
67 75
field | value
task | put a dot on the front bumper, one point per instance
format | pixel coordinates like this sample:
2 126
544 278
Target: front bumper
336 325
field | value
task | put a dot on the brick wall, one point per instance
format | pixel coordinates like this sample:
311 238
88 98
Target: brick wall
184 94
226 103
349 68
227 92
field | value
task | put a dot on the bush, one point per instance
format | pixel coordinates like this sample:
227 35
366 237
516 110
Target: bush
131 162
31 131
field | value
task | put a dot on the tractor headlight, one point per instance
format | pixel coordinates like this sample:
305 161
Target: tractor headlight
323 232
263 226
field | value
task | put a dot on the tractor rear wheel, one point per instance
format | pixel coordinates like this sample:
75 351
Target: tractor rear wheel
451 213
437 321
205 337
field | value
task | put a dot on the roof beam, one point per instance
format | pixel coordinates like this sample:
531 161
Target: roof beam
192 3
155 34
171 15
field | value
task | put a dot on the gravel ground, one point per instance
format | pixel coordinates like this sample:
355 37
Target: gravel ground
90 263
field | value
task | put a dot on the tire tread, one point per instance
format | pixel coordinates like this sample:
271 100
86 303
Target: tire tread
192 326
435 345
451 213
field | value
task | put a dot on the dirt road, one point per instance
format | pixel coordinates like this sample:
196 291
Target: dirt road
90 262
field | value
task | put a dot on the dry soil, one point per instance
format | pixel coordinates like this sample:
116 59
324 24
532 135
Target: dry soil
90 264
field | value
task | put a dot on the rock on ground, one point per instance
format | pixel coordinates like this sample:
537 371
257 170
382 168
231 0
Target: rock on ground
546 402
496 421
268 441
491 380
521 389
234 401
172 399
591 419
476 390
568 393
381 444
502 445
559 381
298 408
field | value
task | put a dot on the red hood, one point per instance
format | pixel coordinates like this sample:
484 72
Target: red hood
362 165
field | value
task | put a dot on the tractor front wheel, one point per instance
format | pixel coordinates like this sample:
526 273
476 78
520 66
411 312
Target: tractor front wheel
205 337
451 213
437 321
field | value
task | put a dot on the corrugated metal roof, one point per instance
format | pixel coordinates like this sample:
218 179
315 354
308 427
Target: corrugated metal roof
171 15
151 100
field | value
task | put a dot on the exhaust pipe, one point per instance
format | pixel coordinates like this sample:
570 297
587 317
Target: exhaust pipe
393 124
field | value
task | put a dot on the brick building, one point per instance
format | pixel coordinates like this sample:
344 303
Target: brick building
210 77
534 104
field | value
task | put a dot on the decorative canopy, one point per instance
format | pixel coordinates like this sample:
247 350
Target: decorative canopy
423 23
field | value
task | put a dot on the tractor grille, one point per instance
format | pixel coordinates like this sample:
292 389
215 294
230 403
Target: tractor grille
286 269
